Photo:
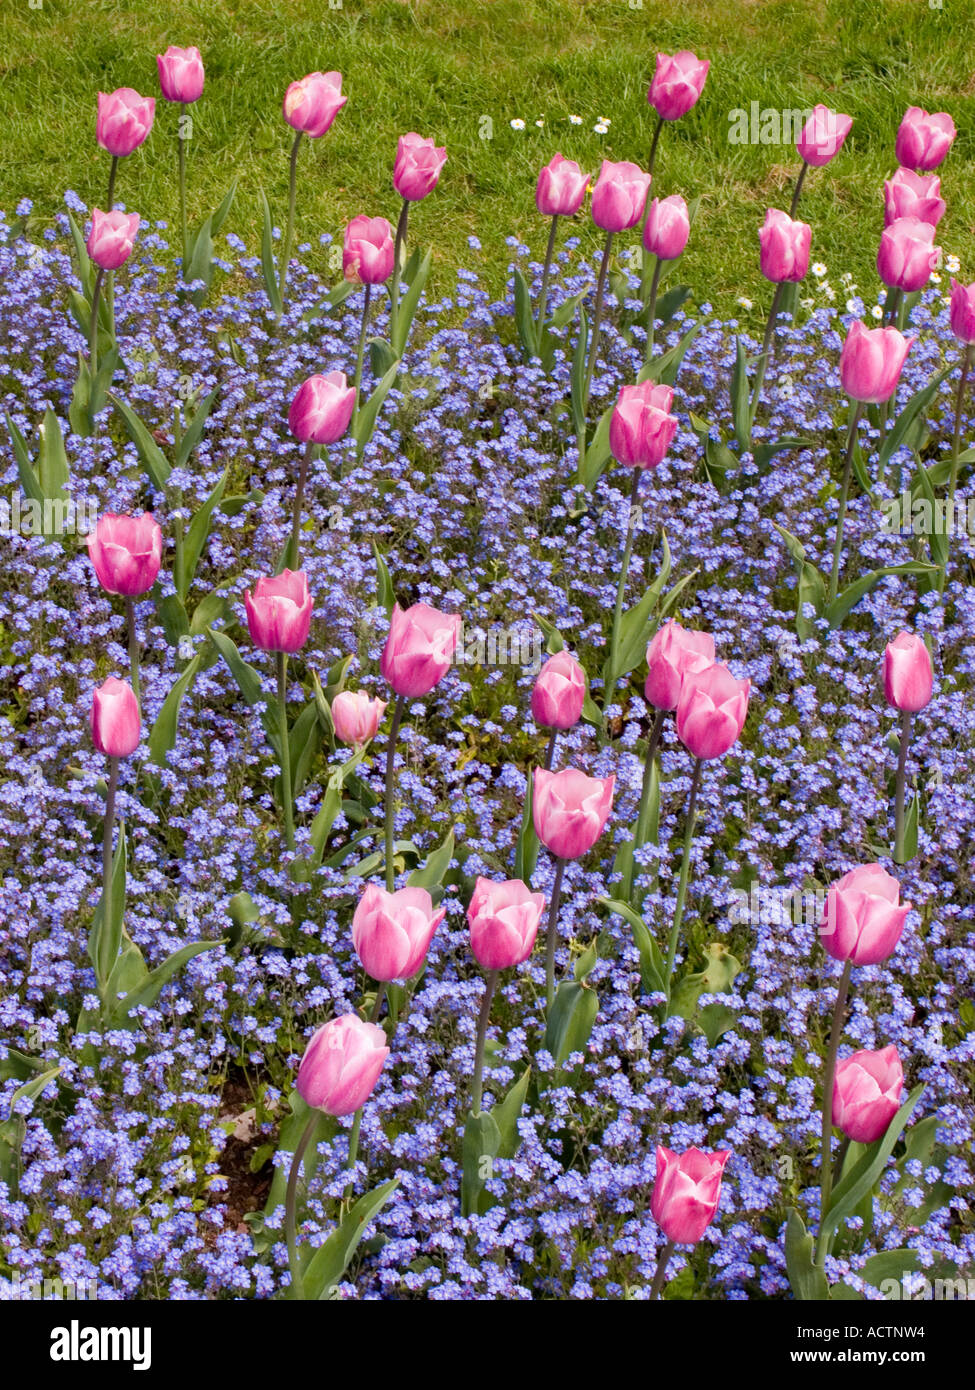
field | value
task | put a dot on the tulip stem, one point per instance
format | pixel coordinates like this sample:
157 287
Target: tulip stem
401 227
550 935
646 212
96 295
350 1162
893 305
360 356
133 647
113 767
112 173
285 751
390 781
663 1260
643 815
826 1163
597 322
652 312
181 163
685 866
290 230
550 750
834 579
290 1204
966 363
490 984
610 690
764 356
546 276
900 855
797 190
295 547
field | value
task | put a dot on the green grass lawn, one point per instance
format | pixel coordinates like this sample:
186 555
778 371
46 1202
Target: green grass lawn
462 70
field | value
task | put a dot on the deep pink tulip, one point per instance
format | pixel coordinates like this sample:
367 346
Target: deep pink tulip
867 1093
907 194
677 83
322 408
503 919
111 237
923 140
667 227
907 254
115 722
686 1192
962 312
570 810
783 247
126 552
419 648
341 1065
673 652
180 73
559 692
391 932
279 612
312 103
124 120
641 429
561 188
871 362
711 710
417 167
619 196
822 136
863 920
908 677
357 716
368 251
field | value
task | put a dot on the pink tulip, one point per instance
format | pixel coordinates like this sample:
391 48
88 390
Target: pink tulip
867 1093
180 73
126 552
907 254
417 167
962 312
711 710
913 195
341 1065
357 716
559 692
641 429
279 612
686 1192
561 188
391 932
923 140
619 196
369 250
111 238
311 104
908 678
115 722
672 654
419 648
504 920
570 810
677 84
784 247
322 408
863 920
667 227
871 362
124 120
823 135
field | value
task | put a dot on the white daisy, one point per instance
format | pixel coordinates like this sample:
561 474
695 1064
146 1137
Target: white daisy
539 123
600 129
952 265
876 312
746 304
517 124
575 120
818 269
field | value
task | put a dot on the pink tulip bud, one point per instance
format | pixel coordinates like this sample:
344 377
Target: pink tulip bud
111 238
672 653
871 362
570 810
126 552
322 408
923 140
667 227
711 710
369 250
115 723
311 104
341 1065
863 920
913 195
561 188
641 429
783 247
391 932
419 648
504 920
867 1093
823 135
908 677
907 254
686 1192
357 716
124 120
677 84
619 196
417 167
559 693
180 74
962 312
279 612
